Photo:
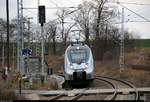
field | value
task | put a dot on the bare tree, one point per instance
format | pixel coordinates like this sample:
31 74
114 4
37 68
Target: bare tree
65 28
3 32
61 15
51 35
84 19
67 31
100 27
99 6
3 28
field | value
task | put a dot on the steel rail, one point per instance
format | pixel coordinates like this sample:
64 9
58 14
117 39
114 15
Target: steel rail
79 95
125 82
98 78
102 79
105 79
110 83
56 97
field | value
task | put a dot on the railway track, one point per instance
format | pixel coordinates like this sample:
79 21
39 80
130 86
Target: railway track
130 85
100 79
107 80
112 85
71 97
77 96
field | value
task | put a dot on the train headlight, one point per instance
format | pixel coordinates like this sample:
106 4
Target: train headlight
86 66
71 66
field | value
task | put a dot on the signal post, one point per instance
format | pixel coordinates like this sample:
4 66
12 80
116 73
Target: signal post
41 12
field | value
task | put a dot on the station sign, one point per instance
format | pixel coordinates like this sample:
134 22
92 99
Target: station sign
26 51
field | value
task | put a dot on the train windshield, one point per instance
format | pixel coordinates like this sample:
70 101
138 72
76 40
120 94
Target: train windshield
78 56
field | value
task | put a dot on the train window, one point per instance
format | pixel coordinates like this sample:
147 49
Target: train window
78 56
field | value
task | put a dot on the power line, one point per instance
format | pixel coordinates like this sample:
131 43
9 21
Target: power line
128 22
49 7
27 9
138 21
57 7
65 15
31 12
46 17
71 2
135 13
133 3
131 10
52 2
139 10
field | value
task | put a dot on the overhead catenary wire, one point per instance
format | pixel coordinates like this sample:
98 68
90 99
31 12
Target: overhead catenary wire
129 22
144 18
130 3
134 3
50 7
139 11
66 14
134 13
52 2
71 2
138 21
27 9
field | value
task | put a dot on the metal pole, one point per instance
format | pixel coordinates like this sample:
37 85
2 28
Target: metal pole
62 28
3 53
22 37
28 61
13 55
36 38
7 11
122 43
18 38
42 52
36 43
19 85
28 66
20 42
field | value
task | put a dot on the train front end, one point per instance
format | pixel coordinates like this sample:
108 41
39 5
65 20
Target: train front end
78 63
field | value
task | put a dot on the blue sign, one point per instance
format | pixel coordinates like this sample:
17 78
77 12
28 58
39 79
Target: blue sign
26 51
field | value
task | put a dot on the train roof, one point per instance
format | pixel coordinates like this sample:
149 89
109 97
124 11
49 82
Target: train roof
77 46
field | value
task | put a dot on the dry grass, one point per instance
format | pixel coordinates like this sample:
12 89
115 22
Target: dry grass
132 58
6 93
140 78
50 84
145 50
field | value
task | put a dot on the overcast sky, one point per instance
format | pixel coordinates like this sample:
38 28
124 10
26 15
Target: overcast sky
140 28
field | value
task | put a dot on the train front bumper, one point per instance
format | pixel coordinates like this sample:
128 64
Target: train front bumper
79 76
